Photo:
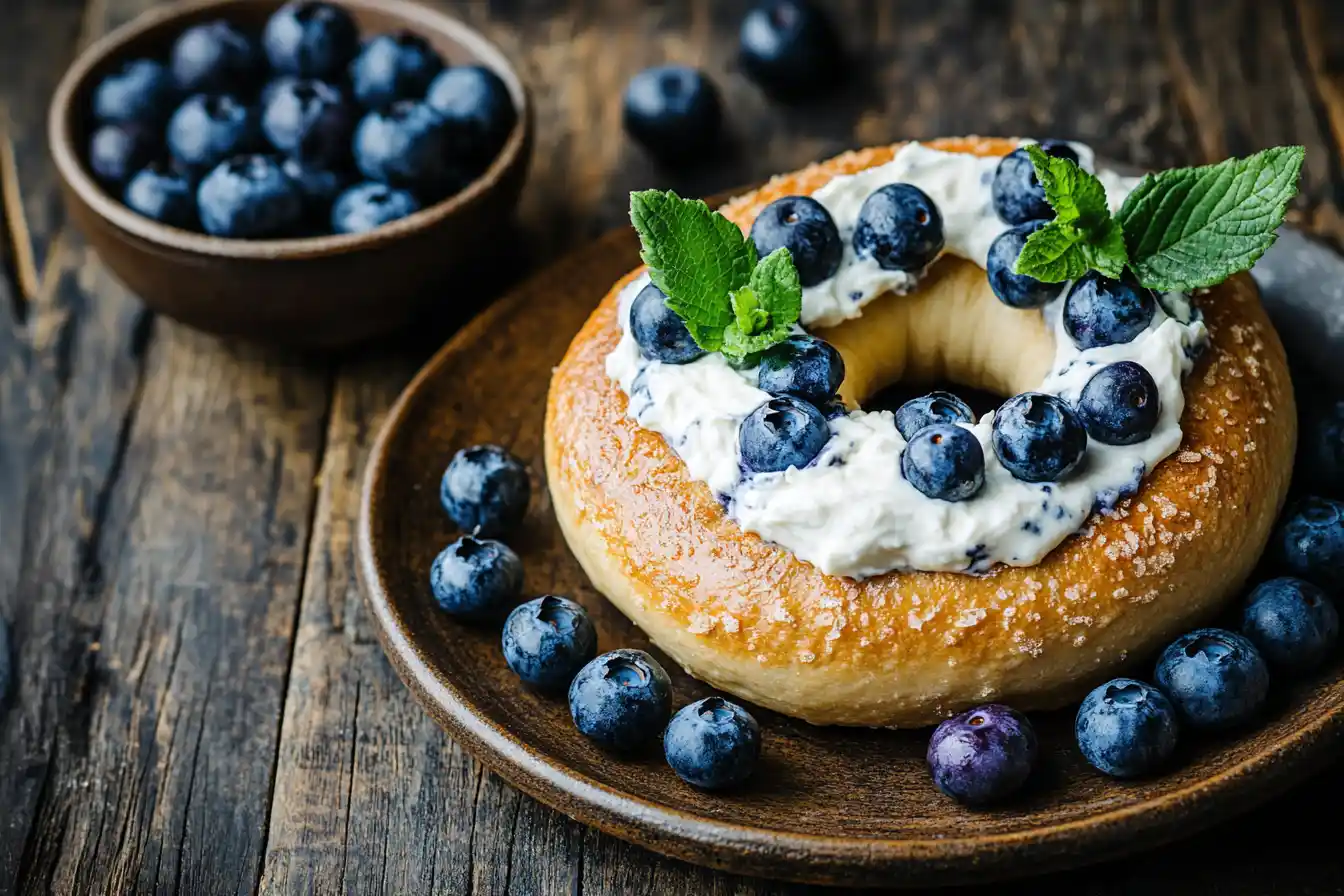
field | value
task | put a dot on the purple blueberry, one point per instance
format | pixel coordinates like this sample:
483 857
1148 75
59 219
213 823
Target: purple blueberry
1292 622
1126 728
712 744
311 40
621 700
208 128
249 197
310 121
215 57
393 67
164 194
117 151
546 642
982 756
1214 677
141 91
486 490
476 578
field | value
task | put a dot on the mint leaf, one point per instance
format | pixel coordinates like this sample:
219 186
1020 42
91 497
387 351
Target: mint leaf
1053 254
1083 236
696 257
1194 227
1074 194
751 318
775 291
1105 250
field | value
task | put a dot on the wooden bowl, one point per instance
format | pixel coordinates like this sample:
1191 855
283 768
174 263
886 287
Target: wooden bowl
323 291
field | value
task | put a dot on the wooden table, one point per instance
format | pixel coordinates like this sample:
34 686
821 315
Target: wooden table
202 706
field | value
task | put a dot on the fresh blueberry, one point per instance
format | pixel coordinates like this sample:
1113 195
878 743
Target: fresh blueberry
164 194
1018 196
1292 622
1100 311
1215 678
712 744
1038 437
249 197
320 188
899 227
1311 537
673 111
140 91
1126 728
309 121
476 578
547 641
477 109
207 129
370 205
393 67
789 48
936 407
1120 405
1013 289
117 151
802 225
660 334
406 145
310 40
622 699
784 432
945 462
982 756
215 57
485 489
1321 447
802 366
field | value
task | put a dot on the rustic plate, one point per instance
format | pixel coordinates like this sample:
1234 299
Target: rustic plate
828 805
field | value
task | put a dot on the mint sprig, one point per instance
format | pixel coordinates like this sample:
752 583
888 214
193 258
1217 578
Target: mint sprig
730 302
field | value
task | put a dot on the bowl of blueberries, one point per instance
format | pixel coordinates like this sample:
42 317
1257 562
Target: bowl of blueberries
310 172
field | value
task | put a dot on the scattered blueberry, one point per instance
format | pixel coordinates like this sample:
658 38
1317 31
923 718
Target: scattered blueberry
1215 678
406 145
140 91
309 121
476 578
802 366
1018 196
209 128
547 641
712 744
485 489
622 699
320 186
1016 290
802 225
369 205
1321 447
982 756
1038 437
214 57
1126 728
1100 311
936 407
393 67
164 194
784 432
660 333
1311 537
475 105
311 40
249 197
673 111
1292 622
117 151
899 227
944 462
789 48
1120 405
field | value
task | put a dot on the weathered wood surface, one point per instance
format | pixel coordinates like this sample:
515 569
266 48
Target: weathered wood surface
199 704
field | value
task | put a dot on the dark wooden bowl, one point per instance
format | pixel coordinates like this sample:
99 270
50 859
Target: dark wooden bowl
321 291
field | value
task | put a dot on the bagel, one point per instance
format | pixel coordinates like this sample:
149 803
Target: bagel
908 647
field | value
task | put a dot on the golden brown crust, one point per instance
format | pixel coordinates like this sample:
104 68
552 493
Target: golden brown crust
906 649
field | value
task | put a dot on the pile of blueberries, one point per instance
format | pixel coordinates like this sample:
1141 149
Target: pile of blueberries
622 699
299 131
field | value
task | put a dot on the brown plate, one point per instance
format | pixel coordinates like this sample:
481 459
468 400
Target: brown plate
827 805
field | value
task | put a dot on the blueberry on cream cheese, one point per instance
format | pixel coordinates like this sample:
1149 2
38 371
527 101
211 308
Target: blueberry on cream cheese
1120 404
1017 193
1038 437
944 462
900 228
936 407
1014 289
802 225
662 336
802 366
784 432
1099 311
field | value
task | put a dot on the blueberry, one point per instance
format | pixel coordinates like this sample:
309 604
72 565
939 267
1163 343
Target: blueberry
1038 437
622 699
673 111
784 432
936 407
369 205
320 188
1100 311
802 366
1016 290
945 462
712 744
659 332
1215 678
547 641
485 489
476 578
1120 405
214 57
900 227
1321 447
310 40
1291 622
164 194
393 67
802 225
983 755
249 197
789 48
1126 728
140 91
207 129
309 121
478 110
406 145
1018 196
1311 538
117 151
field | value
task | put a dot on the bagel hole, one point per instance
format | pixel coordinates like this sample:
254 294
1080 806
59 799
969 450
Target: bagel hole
626 673
980 401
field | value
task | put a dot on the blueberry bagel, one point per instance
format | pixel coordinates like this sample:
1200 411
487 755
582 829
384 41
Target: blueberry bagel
864 568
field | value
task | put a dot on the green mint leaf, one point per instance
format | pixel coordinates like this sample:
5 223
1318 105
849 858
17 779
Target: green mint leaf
1194 227
749 316
1075 195
775 290
1053 254
1104 251
696 257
